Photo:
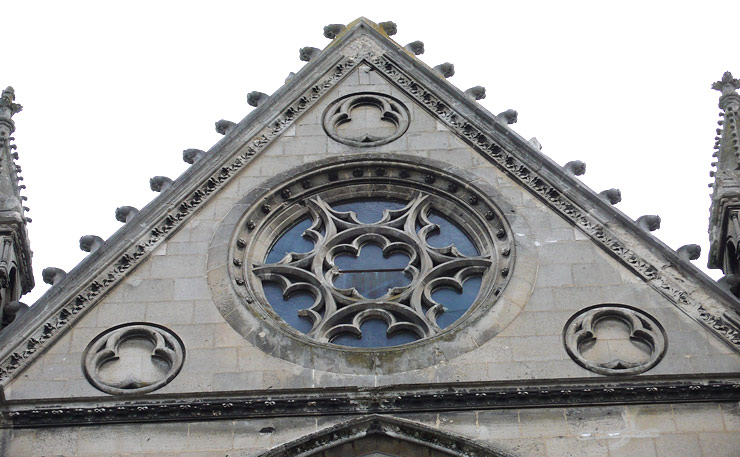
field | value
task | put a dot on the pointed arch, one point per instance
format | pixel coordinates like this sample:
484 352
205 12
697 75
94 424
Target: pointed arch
377 435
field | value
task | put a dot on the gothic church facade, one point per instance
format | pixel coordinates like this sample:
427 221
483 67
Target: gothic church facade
370 263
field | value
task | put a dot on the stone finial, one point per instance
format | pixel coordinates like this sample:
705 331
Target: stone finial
290 76
612 195
192 155
415 47
730 283
389 27
224 127
575 167
476 93
445 69
308 53
91 243
689 252
160 183
53 275
649 223
508 117
727 85
332 30
126 213
256 98
535 143
7 106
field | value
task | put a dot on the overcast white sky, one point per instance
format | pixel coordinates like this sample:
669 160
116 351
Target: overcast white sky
112 95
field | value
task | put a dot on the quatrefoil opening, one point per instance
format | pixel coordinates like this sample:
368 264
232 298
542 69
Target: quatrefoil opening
366 119
615 340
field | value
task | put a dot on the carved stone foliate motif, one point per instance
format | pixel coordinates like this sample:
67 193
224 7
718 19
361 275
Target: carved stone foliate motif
133 358
372 259
366 119
615 340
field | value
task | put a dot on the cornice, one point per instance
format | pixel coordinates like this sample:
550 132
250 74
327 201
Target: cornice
361 401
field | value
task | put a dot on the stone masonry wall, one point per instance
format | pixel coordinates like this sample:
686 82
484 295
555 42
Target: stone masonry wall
558 271
691 430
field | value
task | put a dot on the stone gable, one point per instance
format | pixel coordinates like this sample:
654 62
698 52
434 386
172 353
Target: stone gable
587 335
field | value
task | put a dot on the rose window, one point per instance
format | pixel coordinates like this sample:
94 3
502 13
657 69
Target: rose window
375 262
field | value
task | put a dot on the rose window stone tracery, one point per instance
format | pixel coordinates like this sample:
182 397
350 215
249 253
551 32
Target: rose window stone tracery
369 257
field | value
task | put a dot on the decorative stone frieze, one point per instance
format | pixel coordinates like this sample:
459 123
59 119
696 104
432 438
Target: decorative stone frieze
133 359
615 340
398 399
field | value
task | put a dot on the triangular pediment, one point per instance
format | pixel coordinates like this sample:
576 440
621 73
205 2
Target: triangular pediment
365 45
377 435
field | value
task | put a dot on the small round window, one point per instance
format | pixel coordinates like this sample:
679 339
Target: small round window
368 258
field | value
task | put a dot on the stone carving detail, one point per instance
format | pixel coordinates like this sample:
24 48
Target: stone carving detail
256 98
53 275
401 292
398 399
612 195
727 85
91 243
510 116
575 167
160 183
415 47
308 53
689 252
387 119
224 127
482 139
332 30
649 222
192 155
389 27
13 310
126 213
133 358
447 70
615 340
476 93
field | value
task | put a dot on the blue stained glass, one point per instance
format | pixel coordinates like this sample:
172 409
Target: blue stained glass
370 210
456 303
371 273
374 335
449 233
371 284
371 257
288 308
291 241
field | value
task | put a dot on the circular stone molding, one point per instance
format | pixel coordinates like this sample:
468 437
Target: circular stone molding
614 339
239 269
391 122
133 358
